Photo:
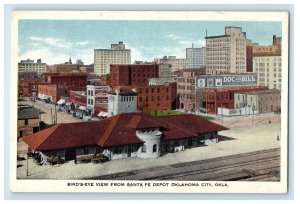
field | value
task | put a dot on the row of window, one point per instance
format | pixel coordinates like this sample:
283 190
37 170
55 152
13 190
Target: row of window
127 98
157 98
153 90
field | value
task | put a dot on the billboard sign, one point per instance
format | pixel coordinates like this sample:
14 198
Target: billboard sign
226 80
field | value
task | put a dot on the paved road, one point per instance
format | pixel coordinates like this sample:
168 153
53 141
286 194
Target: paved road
255 166
47 109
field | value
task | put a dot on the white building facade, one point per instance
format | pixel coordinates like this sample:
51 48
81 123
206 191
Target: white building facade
96 96
122 102
226 53
118 54
31 66
268 69
195 57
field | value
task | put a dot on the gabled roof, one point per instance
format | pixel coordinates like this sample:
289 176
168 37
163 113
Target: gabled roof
65 136
117 131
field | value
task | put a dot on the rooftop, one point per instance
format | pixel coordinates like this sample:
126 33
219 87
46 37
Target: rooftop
118 130
25 112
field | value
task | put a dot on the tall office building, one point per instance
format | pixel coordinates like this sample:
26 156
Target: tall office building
195 57
103 58
226 53
268 69
31 66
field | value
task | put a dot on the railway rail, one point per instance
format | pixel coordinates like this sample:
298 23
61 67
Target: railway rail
254 166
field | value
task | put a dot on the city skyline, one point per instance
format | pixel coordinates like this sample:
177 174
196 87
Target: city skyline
55 41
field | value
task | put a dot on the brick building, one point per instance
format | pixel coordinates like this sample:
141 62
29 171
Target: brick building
156 98
211 99
256 50
64 68
52 92
132 74
78 97
71 80
186 90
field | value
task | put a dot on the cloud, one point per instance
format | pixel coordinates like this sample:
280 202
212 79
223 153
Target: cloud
82 43
46 55
54 42
137 54
174 37
188 43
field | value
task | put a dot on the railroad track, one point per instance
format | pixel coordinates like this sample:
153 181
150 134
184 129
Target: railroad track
253 166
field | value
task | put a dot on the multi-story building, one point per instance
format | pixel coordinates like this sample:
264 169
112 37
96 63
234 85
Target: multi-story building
30 65
71 80
28 76
264 101
122 101
226 53
268 69
64 68
255 50
103 58
186 90
156 97
132 74
211 99
27 87
176 63
161 81
195 57
97 96
164 70
28 120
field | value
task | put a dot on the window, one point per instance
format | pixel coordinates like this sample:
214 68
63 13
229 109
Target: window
141 99
26 121
144 149
117 150
85 151
154 148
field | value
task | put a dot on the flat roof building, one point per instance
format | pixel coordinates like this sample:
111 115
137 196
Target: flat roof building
226 53
103 58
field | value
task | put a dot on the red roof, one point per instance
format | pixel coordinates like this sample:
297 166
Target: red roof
182 126
117 131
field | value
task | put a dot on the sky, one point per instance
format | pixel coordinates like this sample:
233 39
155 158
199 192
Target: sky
55 41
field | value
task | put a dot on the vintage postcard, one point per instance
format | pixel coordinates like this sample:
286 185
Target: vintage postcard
149 101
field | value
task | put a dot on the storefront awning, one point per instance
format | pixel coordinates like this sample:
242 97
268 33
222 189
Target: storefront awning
103 114
81 108
61 101
43 96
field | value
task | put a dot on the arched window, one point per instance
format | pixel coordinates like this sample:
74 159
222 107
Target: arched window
154 148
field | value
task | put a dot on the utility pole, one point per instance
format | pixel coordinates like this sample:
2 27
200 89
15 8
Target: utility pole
27 173
51 116
55 113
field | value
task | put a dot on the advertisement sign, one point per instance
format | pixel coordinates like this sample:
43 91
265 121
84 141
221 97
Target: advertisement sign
201 82
227 80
